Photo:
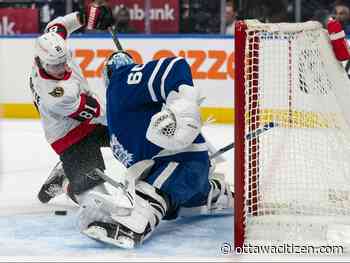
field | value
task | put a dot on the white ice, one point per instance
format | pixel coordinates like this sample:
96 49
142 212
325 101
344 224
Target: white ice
29 230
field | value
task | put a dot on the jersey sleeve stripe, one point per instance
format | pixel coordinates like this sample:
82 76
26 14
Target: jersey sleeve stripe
59 29
73 136
81 106
168 69
88 108
151 80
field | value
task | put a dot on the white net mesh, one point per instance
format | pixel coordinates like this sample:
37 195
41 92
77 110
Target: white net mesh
297 175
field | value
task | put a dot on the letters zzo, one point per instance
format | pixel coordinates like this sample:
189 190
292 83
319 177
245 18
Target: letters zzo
211 64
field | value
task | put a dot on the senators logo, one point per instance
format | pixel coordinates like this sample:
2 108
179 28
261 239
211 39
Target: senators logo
57 92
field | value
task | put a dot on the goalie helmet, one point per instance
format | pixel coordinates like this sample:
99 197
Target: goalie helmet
52 52
115 61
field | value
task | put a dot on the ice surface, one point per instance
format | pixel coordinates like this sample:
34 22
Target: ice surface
29 229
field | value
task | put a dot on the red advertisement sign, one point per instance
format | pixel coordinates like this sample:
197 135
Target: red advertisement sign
18 21
163 17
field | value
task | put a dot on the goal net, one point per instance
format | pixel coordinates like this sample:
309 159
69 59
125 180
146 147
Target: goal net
292 182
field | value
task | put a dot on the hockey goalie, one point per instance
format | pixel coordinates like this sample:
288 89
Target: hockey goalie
154 124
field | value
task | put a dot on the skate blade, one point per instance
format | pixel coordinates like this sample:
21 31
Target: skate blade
100 234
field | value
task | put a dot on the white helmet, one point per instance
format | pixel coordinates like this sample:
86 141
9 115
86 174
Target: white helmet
51 49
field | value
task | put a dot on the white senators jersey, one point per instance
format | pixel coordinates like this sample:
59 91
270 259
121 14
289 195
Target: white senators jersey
68 107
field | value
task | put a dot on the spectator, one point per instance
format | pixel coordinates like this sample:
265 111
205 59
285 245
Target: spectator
230 18
342 14
268 11
199 16
277 11
122 20
185 21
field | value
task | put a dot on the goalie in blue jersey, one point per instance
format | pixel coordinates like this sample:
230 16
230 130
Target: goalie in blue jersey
155 129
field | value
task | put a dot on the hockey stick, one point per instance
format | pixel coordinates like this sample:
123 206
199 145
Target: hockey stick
249 136
112 30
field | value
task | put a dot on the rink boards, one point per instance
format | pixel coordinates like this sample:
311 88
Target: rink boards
211 59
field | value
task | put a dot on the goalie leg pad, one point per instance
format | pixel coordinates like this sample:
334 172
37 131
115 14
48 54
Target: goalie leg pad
130 231
108 233
119 202
90 209
149 209
98 203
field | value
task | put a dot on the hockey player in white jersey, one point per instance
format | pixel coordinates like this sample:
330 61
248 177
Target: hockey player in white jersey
72 113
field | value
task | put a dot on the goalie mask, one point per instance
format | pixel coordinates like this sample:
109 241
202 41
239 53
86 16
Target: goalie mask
51 54
115 61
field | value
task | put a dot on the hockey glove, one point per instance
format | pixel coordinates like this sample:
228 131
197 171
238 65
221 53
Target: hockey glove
97 16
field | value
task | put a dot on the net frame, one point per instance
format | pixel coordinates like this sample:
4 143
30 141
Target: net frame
247 74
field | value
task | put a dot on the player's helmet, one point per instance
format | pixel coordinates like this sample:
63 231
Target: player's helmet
52 52
115 61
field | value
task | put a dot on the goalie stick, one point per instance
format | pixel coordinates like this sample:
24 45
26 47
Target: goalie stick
249 136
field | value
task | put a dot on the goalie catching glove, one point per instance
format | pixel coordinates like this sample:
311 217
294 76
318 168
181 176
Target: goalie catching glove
179 122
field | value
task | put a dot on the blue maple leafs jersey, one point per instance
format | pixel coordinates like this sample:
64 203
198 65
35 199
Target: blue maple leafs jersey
134 94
